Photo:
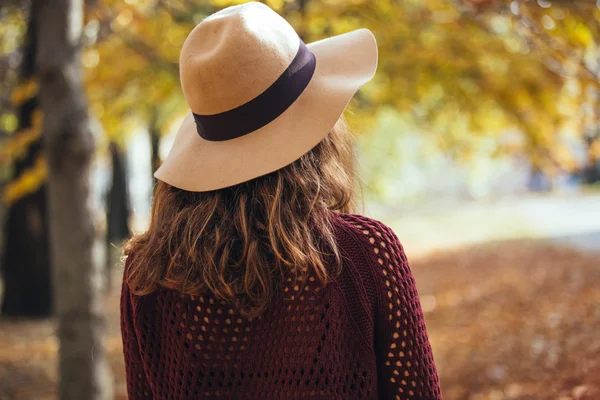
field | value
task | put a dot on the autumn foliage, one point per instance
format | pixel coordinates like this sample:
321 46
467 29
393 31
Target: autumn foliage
465 71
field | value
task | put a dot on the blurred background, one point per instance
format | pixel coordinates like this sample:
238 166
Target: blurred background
478 141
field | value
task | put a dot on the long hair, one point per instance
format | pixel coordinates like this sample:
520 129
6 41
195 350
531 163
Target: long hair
241 242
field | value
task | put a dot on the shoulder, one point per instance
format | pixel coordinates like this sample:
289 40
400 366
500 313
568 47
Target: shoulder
361 222
366 231
375 241
372 254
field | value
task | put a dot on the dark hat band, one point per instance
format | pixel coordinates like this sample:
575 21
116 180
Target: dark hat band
264 108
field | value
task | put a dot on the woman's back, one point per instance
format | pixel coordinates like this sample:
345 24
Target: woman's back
252 280
361 336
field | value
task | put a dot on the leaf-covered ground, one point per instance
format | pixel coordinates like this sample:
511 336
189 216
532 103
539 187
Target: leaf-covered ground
516 320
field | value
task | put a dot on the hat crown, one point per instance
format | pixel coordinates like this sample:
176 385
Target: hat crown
233 56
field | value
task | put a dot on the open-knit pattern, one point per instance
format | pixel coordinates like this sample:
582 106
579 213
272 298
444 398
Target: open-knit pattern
361 337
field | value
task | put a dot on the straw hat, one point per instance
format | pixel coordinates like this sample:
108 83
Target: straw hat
259 97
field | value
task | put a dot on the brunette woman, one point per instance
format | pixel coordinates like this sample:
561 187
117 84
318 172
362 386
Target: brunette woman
254 280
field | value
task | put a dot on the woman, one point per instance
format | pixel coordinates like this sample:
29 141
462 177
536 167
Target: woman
253 281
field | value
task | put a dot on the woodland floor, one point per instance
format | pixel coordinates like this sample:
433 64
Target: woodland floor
516 320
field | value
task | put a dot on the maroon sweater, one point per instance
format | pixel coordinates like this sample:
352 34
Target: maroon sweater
361 337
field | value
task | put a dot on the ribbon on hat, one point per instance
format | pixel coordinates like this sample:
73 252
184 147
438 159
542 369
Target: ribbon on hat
264 108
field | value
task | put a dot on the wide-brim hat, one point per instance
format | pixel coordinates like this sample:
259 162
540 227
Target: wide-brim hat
259 97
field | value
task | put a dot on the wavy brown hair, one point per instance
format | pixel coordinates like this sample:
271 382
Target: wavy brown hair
241 242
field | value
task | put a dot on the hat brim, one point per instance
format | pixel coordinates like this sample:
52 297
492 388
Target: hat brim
344 64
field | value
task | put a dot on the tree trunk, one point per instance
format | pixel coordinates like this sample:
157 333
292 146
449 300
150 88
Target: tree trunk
83 368
155 154
118 210
154 132
591 170
25 260
27 281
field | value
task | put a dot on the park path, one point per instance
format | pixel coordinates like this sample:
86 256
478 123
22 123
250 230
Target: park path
569 219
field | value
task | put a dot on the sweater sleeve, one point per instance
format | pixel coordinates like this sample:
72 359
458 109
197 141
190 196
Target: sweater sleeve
137 384
405 365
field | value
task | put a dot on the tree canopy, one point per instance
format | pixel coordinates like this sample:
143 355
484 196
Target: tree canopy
462 70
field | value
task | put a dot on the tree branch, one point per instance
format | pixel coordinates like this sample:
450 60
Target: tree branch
553 44
148 53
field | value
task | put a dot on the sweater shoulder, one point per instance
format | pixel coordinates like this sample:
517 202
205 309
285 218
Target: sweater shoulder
365 229
369 240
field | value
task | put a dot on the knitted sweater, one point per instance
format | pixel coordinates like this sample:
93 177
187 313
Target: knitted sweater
360 337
